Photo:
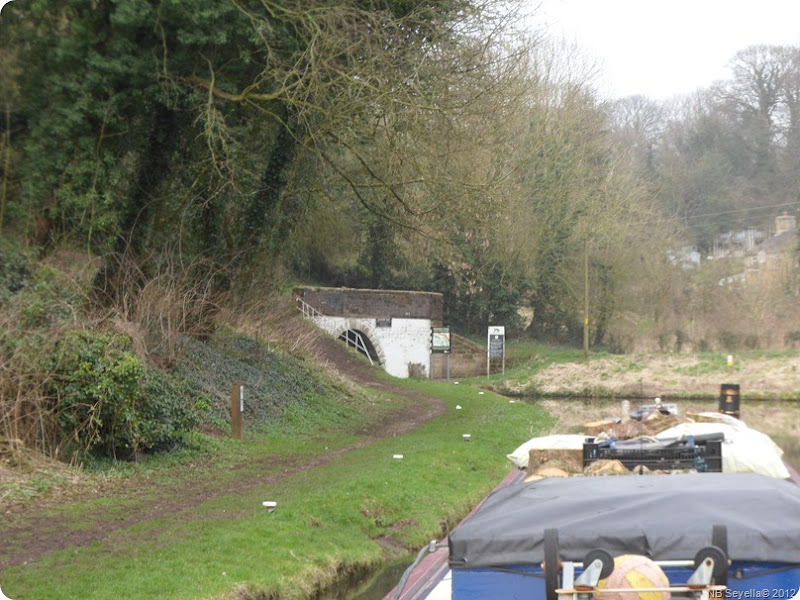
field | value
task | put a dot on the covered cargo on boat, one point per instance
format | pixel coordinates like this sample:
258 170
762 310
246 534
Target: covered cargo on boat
665 517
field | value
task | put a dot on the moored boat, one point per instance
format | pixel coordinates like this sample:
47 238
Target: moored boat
731 535
747 525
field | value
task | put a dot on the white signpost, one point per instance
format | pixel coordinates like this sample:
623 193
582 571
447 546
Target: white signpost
495 346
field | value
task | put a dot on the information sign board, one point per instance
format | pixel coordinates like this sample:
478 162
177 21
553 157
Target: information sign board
496 342
440 339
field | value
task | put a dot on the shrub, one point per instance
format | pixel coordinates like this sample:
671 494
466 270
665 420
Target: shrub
680 339
108 402
791 339
166 411
15 267
751 341
730 340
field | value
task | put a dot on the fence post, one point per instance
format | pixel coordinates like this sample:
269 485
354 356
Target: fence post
237 408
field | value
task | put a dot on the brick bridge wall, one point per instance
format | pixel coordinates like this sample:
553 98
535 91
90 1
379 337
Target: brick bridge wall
349 302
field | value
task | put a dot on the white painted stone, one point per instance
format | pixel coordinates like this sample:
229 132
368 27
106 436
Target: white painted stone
406 342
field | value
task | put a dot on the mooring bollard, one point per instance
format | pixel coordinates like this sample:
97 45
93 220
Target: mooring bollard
729 399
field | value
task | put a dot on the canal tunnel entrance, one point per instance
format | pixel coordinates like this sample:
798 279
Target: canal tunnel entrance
354 338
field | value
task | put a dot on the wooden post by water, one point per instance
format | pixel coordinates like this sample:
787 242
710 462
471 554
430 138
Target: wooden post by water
237 407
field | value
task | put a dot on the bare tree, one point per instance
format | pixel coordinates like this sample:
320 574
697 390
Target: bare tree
753 99
638 122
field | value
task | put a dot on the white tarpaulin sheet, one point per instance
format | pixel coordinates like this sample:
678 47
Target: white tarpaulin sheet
549 442
744 450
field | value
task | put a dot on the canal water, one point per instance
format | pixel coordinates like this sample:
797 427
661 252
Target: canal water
373 585
381 583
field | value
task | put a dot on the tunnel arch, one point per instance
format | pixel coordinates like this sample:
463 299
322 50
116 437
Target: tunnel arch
360 340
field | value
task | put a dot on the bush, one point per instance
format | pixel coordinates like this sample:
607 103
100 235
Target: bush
751 341
166 409
730 340
16 267
791 339
70 390
107 401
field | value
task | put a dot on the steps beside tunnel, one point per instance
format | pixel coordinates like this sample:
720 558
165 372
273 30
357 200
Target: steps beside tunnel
467 359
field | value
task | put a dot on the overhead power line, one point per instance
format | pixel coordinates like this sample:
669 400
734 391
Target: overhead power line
728 212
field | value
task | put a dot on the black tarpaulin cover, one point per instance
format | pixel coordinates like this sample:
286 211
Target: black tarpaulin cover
665 517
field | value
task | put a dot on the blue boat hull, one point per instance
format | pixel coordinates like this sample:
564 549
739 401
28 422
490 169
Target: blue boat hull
746 581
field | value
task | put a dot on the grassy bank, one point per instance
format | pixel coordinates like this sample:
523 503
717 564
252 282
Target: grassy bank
339 517
190 524
541 371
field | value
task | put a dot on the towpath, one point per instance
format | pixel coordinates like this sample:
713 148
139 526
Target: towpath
33 530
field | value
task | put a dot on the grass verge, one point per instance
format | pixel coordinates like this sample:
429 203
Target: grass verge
345 515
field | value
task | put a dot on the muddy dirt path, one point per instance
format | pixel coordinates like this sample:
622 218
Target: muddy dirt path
32 531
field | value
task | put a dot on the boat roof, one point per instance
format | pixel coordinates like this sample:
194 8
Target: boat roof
665 517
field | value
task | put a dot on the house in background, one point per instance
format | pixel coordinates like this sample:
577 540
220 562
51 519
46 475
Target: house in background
784 223
687 257
737 244
779 248
763 254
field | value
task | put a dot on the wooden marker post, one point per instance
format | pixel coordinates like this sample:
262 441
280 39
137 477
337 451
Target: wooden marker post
237 408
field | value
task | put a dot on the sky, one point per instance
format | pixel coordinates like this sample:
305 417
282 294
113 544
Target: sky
662 48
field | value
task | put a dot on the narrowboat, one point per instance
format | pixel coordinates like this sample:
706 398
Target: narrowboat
733 535
639 537
685 529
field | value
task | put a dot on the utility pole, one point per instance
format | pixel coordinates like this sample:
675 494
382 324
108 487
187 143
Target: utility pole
586 298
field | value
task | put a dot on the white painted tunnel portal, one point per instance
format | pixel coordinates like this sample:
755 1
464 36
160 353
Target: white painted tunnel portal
395 326
403 348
